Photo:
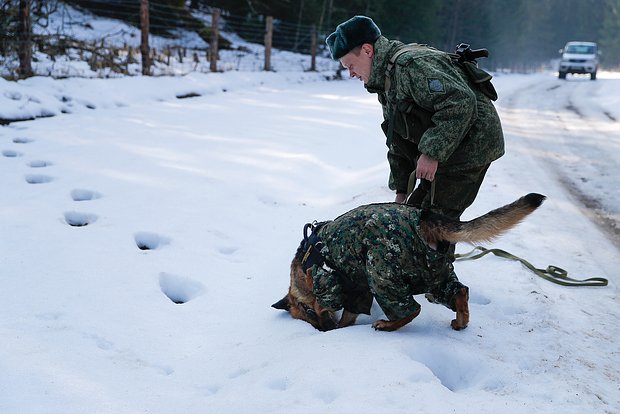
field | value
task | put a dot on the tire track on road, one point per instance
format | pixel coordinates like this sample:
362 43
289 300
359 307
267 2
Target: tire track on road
576 154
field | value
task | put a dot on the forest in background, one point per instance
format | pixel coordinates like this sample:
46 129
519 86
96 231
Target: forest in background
519 33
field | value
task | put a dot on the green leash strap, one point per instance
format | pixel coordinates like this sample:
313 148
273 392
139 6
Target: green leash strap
551 273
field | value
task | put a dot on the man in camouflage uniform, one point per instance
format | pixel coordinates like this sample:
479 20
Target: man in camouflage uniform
378 250
439 124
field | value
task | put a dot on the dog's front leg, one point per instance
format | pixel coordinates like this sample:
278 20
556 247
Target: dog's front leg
383 325
347 319
461 303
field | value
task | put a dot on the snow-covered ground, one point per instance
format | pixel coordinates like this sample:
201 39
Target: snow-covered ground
216 189
574 126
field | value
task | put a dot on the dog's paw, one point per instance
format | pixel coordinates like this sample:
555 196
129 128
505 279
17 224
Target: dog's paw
457 326
383 325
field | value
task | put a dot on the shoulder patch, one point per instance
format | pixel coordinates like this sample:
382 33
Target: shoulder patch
435 86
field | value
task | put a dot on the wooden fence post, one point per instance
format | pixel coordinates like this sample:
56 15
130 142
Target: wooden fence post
144 43
215 32
313 48
268 42
25 39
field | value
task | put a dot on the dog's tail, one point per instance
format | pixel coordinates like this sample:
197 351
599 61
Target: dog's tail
437 228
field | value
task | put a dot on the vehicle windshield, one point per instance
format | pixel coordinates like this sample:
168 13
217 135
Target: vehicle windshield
580 49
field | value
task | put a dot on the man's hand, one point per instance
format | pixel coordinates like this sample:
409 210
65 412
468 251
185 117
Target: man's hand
426 168
400 198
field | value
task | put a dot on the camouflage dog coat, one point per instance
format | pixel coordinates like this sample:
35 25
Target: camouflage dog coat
377 251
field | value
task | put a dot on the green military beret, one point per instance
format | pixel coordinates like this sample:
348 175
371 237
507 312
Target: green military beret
351 34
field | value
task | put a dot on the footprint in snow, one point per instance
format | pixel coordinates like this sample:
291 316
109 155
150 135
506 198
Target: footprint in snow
49 316
76 219
22 140
39 164
210 389
37 178
84 195
11 153
227 250
478 298
327 396
238 373
149 241
180 289
278 384
100 342
456 369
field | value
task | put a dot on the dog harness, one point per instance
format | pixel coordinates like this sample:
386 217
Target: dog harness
312 246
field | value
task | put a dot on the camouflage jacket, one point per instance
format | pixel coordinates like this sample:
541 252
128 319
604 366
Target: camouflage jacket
432 108
377 250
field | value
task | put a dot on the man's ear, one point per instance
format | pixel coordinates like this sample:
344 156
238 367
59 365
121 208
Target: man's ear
368 49
282 304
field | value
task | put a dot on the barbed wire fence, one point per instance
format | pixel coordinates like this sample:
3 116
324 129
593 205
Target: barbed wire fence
65 41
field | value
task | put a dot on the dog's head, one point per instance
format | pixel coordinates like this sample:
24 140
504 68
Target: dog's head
301 302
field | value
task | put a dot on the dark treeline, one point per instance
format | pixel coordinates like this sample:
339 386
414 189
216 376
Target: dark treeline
518 33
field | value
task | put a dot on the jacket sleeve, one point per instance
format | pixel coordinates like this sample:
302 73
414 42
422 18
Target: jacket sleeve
437 86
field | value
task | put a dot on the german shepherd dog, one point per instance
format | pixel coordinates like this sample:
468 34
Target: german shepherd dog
301 301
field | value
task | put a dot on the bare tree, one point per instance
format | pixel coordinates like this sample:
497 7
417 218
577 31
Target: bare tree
144 44
24 50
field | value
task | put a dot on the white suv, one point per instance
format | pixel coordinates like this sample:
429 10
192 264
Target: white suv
579 57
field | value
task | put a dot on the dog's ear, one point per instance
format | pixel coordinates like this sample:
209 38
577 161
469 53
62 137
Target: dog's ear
283 304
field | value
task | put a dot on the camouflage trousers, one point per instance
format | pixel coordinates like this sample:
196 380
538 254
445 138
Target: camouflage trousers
454 191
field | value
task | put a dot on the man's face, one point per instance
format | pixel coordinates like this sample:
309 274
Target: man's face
359 62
